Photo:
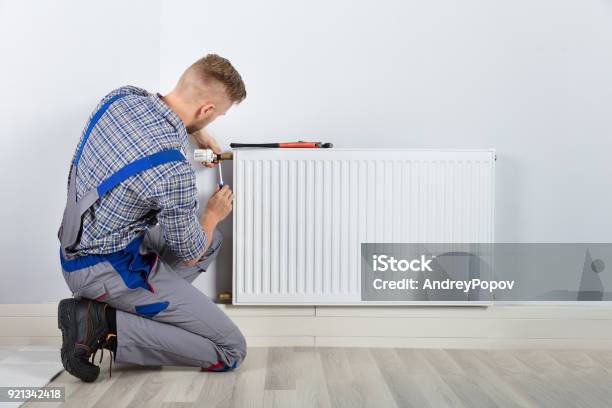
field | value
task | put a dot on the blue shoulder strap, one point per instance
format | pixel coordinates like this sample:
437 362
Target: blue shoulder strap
130 169
147 162
95 118
73 214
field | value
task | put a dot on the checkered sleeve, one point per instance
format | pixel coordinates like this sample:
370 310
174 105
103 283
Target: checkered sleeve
175 196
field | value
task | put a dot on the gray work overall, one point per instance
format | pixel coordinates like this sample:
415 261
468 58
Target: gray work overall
162 319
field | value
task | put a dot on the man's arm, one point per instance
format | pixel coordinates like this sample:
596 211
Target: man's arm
176 198
218 207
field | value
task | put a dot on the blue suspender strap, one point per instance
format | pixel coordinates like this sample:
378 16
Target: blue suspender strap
130 169
92 123
147 162
133 267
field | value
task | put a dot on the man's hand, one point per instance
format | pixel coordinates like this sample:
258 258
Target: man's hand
218 208
219 205
206 141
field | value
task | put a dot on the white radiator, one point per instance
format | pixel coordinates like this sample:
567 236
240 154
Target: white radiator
300 215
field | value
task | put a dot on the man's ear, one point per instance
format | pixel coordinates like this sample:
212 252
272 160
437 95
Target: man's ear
205 110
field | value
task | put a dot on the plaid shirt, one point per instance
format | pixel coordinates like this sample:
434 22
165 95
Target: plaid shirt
135 126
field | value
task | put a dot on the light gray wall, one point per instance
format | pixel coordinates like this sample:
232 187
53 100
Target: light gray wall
531 78
57 59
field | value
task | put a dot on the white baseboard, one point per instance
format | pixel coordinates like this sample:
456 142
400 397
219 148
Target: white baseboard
499 326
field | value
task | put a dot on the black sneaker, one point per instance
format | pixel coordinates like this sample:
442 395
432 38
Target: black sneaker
84 331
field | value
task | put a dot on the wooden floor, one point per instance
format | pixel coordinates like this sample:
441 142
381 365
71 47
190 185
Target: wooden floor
360 377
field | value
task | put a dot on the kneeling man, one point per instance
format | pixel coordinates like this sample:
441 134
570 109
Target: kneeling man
131 243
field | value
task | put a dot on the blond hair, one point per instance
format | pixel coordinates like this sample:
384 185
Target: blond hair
213 67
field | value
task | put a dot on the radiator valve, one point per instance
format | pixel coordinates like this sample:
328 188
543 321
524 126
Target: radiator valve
208 156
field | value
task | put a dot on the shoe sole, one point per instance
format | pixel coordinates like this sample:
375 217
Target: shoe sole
73 359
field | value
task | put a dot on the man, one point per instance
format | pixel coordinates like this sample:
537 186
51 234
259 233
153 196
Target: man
131 242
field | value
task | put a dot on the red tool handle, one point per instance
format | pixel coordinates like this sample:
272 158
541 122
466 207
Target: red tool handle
300 144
